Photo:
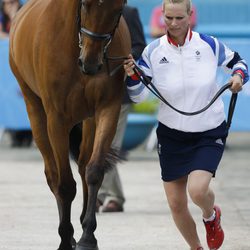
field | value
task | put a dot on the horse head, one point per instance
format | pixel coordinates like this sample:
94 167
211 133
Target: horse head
98 20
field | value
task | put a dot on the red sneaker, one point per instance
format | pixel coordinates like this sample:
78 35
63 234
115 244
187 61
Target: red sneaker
215 234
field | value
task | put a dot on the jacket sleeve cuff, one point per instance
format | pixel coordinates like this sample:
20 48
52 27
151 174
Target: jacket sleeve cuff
134 77
240 73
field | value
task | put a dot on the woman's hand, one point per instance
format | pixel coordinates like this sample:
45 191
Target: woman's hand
237 83
129 65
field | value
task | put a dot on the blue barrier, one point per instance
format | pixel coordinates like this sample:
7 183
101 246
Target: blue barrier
13 111
241 119
217 18
214 17
138 128
216 12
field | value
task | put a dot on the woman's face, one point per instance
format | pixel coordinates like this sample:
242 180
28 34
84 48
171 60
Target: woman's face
177 19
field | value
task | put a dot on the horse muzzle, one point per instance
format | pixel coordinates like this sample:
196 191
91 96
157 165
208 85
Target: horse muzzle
88 68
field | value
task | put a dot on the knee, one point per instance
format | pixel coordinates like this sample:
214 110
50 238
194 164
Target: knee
67 189
177 205
197 193
94 174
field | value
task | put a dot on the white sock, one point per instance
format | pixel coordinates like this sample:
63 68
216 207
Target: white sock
211 218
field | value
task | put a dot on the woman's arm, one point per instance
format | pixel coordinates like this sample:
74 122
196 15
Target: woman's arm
136 89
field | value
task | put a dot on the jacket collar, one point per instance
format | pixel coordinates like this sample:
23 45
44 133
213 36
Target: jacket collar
187 39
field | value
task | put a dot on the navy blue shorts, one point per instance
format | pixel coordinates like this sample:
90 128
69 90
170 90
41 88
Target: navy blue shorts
183 152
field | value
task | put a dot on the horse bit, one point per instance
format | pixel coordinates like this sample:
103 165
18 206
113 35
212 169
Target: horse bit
100 37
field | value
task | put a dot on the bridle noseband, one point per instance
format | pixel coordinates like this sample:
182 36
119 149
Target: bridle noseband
95 36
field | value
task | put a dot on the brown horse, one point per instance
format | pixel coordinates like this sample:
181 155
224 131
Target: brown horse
64 84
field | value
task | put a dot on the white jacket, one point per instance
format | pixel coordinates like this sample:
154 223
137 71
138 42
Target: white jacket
186 78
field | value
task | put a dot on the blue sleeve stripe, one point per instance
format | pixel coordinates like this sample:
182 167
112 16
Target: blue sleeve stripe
153 45
150 49
141 62
222 55
244 63
137 91
246 77
210 41
130 82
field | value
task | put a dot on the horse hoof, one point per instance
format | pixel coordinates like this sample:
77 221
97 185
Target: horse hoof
73 243
72 247
81 247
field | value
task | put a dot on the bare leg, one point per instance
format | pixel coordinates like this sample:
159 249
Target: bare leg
178 203
200 193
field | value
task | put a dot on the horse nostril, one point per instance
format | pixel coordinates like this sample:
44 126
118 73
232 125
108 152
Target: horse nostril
99 67
88 68
80 63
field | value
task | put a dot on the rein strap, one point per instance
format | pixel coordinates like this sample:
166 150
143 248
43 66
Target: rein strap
147 82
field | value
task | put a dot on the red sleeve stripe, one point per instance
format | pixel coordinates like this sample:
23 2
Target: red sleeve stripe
134 77
239 71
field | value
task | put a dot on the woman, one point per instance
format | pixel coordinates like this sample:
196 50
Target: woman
183 65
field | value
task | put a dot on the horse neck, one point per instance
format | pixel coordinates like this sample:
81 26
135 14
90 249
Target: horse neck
61 22
68 10
68 5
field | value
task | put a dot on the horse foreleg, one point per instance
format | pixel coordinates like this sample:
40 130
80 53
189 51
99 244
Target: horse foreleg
66 186
105 129
88 241
88 136
94 178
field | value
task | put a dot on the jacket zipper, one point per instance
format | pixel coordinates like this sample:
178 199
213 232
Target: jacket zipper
184 89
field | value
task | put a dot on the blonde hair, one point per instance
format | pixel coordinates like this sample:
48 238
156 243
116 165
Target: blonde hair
188 2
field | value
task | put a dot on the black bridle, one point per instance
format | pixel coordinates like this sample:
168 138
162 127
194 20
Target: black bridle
96 36
105 37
